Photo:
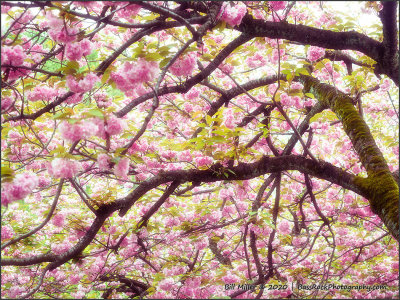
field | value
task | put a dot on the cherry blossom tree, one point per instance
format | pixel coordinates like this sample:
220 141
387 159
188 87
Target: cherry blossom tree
199 149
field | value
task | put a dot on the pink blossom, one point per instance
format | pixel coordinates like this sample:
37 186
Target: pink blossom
192 94
284 227
75 51
168 154
277 5
6 103
257 60
286 100
77 131
41 93
15 291
121 169
276 55
64 168
84 85
61 248
43 181
103 161
272 88
21 186
75 98
184 66
214 216
201 244
185 156
12 55
52 21
314 53
385 86
299 241
5 8
203 161
6 232
5 199
58 220
64 36
57 31
114 125
128 12
233 15
308 103
225 69
166 284
229 121
74 278
230 278
297 102
130 75
103 101
296 86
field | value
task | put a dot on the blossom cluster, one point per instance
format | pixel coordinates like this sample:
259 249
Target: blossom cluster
75 51
21 186
114 125
13 56
103 101
233 15
277 5
58 31
314 53
130 75
128 12
41 93
77 131
64 168
184 66
84 85
121 169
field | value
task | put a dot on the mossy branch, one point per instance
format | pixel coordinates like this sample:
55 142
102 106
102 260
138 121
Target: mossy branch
380 186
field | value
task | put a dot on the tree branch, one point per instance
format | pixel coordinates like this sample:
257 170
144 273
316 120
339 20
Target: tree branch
381 187
350 40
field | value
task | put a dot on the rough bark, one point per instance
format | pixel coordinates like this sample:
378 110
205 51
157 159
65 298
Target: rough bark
380 187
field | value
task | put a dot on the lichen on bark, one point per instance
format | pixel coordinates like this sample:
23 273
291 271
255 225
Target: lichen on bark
380 187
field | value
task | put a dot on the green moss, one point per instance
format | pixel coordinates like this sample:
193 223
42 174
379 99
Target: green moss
380 187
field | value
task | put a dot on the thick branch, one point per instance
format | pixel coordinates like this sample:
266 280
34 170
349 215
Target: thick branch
306 35
390 32
381 187
247 171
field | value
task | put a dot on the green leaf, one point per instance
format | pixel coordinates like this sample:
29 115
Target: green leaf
309 95
7 174
164 62
60 115
302 71
106 76
70 68
289 77
207 57
119 150
6 171
153 56
325 116
315 118
231 171
96 113
127 135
